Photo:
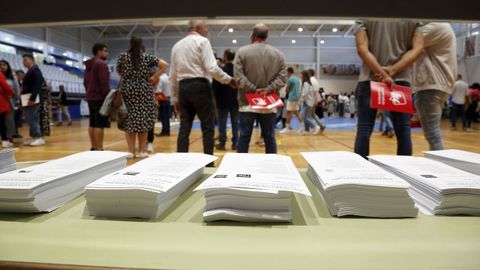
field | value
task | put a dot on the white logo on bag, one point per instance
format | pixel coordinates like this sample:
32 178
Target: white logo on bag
259 101
398 98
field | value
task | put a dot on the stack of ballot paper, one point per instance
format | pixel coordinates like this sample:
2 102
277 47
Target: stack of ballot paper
147 188
463 160
436 187
350 185
252 188
47 186
7 160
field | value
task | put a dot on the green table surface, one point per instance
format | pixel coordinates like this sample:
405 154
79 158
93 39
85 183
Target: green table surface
179 239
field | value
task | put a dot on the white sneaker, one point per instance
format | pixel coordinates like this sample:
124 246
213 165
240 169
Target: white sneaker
130 156
7 144
301 132
316 130
285 130
142 155
150 148
37 142
28 141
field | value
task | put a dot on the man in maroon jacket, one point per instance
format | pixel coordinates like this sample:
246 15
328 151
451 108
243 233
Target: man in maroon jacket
96 84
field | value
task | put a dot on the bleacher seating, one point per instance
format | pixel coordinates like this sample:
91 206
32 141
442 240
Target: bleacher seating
54 75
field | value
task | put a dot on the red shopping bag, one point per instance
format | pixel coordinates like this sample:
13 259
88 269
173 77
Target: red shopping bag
264 102
396 99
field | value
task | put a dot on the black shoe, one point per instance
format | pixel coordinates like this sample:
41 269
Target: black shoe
234 146
220 147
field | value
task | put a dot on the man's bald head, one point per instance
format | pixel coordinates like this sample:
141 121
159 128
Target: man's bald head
198 26
260 30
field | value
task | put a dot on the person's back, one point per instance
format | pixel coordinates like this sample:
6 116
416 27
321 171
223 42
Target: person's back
294 89
388 42
261 64
460 91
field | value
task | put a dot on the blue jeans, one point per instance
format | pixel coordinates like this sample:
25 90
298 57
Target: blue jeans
164 115
429 105
222 125
306 113
267 126
366 121
33 120
386 121
458 108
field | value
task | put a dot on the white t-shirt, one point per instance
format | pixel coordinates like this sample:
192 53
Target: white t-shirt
460 91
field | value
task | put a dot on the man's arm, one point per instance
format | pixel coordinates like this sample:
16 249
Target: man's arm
37 85
211 66
239 75
361 41
280 79
104 78
410 56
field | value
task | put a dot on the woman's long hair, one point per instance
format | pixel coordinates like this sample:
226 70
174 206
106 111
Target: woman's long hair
306 77
136 45
9 72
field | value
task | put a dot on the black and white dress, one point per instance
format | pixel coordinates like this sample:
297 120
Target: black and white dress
137 92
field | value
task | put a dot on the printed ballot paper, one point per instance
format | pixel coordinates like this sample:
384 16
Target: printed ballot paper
47 186
350 185
252 188
147 188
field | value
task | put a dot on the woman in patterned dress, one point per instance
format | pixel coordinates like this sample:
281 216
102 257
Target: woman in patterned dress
134 68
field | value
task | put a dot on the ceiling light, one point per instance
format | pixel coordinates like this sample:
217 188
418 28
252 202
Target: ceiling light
322 41
234 41
64 54
475 33
334 29
40 47
7 38
294 41
300 29
230 30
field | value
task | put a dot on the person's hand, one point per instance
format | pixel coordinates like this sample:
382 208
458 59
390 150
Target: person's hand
389 71
388 81
232 84
262 91
30 102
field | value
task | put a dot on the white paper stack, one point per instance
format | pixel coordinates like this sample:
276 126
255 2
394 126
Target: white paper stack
436 187
252 188
7 160
147 188
47 186
463 160
350 185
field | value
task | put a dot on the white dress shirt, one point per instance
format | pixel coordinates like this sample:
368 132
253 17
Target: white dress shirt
460 91
192 57
163 85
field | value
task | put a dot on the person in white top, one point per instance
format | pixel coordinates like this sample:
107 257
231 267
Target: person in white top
434 78
318 98
307 99
459 95
192 67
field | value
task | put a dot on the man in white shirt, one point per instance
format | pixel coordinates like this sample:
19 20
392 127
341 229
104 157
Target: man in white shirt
459 95
164 109
193 66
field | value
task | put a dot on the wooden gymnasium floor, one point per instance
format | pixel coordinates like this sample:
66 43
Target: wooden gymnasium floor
67 140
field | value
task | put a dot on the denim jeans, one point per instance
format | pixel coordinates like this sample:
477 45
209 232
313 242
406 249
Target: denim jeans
164 115
33 120
386 121
429 105
458 108
222 125
366 121
267 126
306 113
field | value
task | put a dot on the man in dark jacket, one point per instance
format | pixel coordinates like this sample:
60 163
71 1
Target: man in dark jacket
32 85
227 102
96 84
